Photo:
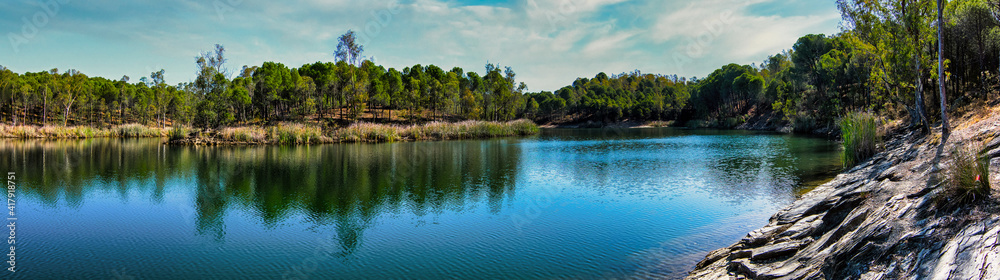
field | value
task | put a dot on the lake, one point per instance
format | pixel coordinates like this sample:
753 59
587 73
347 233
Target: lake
566 204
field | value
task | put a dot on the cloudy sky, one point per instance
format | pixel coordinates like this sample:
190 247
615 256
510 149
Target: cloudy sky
549 43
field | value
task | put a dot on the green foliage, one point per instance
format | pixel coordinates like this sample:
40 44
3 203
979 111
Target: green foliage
860 132
135 131
294 133
616 97
883 62
178 132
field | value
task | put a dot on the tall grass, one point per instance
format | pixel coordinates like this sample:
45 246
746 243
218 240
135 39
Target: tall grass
969 172
279 134
121 131
178 132
243 134
297 134
369 132
861 137
660 123
136 131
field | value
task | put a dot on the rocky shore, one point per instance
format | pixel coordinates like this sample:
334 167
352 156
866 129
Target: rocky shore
888 218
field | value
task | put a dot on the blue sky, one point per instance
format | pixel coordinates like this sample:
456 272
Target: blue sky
548 43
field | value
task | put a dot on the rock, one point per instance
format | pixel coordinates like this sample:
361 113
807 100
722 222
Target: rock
761 236
993 144
779 272
878 220
713 257
745 267
995 153
803 227
741 254
776 250
804 207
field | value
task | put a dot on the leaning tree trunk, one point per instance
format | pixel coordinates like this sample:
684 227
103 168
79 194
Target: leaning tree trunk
944 108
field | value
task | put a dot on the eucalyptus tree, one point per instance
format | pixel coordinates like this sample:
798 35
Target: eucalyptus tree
896 32
72 86
944 108
348 49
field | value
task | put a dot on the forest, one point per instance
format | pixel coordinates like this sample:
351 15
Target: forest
884 61
272 92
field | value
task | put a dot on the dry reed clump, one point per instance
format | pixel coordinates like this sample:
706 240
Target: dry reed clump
379 133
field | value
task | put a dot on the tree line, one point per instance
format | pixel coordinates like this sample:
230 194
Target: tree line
344 90
885 60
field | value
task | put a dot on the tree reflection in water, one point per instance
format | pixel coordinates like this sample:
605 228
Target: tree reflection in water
348 186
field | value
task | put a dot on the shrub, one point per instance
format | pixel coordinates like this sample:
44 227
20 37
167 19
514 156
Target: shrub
861 137
178 132
290 134
969 173
135 131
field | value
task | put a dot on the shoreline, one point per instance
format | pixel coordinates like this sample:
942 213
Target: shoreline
81 132
767 122
890 217
282 133
287 134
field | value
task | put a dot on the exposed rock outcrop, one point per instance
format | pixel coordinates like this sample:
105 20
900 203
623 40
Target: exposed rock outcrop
888 218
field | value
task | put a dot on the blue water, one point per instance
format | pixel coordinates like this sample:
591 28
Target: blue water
567 204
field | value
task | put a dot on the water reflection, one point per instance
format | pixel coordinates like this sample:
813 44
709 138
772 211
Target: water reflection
734 165
343 185
588 203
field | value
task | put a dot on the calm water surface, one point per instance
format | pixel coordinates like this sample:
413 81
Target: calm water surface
579 204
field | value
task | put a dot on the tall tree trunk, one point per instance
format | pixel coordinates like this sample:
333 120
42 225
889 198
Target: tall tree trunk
921 112
45 107
944 108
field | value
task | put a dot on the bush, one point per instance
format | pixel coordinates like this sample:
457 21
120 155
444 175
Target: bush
135 131
969 173
178 132
290 134
861 137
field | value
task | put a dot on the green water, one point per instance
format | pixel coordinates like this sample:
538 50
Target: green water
579 204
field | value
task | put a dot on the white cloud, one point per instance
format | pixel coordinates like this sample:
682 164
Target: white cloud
549 43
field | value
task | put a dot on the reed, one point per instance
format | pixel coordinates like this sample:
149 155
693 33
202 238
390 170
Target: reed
861 137
295 133
136 131
178 132
660 124
380 133
243 134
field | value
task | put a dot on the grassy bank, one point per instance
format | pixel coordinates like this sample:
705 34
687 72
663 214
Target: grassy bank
376 133
78 132
284 133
